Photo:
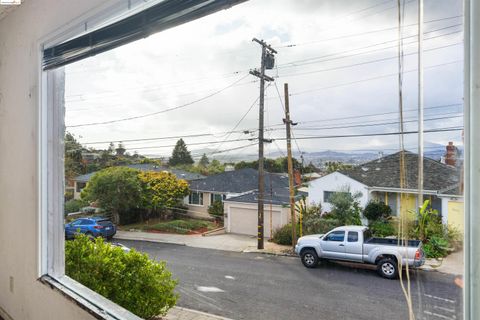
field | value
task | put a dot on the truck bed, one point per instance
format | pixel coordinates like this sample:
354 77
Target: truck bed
392 242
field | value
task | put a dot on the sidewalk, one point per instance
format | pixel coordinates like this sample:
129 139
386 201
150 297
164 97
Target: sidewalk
452 264
178 313
226 242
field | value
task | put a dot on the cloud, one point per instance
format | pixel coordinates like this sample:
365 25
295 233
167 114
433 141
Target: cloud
198 58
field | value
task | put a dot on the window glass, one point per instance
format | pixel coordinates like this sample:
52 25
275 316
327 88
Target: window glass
352 236
216 197
195 198
336 236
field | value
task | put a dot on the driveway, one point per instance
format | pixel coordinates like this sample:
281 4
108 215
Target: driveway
256 286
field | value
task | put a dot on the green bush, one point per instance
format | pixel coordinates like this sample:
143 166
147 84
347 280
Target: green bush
131 280
319 225
377 210
216 209
74 205
436 247
382 229
345 207
283 235
179 226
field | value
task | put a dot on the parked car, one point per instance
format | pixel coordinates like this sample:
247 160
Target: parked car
93 226
356 244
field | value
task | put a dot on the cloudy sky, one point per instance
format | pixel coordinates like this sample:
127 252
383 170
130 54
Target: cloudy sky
338 57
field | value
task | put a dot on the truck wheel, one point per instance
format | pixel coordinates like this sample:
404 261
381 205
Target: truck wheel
309 258
388 268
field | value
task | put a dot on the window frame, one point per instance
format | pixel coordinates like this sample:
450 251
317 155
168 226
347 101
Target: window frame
200 199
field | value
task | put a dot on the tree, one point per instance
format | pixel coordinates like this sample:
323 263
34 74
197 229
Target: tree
345 207
377 210
333 166
204 162
162 190
180 155
73 157
115 189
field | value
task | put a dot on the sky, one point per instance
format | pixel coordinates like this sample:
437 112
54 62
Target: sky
339 58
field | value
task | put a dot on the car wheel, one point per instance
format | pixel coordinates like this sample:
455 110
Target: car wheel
309 258
388 268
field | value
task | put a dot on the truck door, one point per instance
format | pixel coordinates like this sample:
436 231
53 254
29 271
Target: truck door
333 245
354 247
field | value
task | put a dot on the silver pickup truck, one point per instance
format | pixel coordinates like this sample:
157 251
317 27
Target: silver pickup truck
355 244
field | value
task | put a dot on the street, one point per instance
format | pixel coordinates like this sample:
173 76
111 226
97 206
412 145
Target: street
259 286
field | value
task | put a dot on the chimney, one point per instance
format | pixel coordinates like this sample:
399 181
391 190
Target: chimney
451 154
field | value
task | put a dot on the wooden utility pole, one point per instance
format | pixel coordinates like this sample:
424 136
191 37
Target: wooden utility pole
420 103
288 123
267 53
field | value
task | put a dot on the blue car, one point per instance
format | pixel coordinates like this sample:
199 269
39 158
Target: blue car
93 226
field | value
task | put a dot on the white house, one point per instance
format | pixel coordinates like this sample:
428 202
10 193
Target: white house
380 180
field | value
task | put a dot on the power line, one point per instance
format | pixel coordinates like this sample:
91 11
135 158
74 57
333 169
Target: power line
161 111
250 130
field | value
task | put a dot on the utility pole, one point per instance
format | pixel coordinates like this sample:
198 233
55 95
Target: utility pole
420 103
288 123
267 62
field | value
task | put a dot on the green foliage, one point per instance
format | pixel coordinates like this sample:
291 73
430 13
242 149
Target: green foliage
437 247
333 166
74 205
283 235
382 229
116 189
204 162
377 210
319 225
162 190
131 280
216 209
278 165
73 157
180 226
180 154
345 207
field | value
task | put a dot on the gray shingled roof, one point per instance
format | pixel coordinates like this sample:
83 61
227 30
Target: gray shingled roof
180 174
278 196
385 173
237 181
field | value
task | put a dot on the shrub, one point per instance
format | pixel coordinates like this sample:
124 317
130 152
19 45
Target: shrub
345 207
132 280
179 226
319 225
377 210
283 235
216 209
437 247
74 205
382 229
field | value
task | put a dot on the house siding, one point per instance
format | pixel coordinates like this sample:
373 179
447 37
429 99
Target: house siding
335 182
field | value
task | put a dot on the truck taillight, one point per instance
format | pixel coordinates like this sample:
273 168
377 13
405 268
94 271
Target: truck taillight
418 255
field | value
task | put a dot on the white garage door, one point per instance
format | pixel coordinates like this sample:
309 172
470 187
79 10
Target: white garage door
244 221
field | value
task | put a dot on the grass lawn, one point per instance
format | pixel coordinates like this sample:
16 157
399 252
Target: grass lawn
181 226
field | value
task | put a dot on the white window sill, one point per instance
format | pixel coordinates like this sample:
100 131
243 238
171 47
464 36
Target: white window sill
95 304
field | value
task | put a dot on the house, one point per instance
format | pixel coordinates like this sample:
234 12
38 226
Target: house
238 191
241 212
81 181
380 180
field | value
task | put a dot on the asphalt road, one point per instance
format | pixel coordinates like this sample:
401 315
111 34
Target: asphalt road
264 287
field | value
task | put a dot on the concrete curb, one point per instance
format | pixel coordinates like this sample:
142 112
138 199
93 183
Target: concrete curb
281 254
148 240
193 314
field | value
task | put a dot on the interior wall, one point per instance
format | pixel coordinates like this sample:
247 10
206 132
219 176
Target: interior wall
22 296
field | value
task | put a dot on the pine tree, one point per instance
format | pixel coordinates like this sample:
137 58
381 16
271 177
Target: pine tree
180 155
204 162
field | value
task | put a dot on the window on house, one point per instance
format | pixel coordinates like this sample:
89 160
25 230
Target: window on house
195 198
327 195
217 197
